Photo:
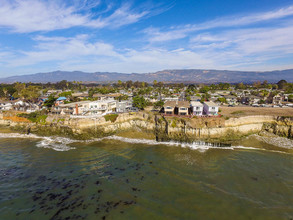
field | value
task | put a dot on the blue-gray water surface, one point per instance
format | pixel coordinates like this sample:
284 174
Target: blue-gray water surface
116 179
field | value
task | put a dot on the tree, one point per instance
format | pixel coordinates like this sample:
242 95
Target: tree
31 93
222 100
224 86
240 86
122 97
61 85
129 84
269 86
65 94
5 91
205 97
139 102
282 84
19 87
191 87
289 88
264 93
257 84
204 89
159 104
275 86
50 101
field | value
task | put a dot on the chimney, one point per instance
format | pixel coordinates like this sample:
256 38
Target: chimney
76 108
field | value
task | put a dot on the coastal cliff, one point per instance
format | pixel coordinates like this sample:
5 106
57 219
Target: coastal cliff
210 129
214 129
282 126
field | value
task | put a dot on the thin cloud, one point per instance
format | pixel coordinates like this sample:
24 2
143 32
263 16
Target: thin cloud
245 47
61 49
248 41
35 15
79 52
120 17
156 35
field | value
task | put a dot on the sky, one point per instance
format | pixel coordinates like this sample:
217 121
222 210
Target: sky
144 36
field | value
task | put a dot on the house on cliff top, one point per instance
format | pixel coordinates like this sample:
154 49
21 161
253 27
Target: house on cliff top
210 108
176 108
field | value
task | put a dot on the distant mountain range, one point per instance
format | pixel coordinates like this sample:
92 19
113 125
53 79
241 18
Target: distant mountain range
168 76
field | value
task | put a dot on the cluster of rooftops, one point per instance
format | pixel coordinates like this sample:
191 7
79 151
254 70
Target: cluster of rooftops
190 108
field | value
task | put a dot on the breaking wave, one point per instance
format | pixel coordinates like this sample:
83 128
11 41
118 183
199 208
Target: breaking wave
199 145
55 143
63 144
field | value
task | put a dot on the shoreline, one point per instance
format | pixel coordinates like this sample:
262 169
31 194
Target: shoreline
156 127
269 143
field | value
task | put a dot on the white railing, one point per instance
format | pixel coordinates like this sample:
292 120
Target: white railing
95 109
91 116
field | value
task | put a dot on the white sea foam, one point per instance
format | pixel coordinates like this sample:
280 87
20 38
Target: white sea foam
200 145
63 144
55 143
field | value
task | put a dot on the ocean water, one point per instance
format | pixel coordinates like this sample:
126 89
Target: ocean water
120 178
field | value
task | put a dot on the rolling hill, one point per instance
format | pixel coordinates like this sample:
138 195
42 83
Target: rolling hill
184 75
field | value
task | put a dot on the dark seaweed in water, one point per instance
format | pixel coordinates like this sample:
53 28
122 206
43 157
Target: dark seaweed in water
120 180
58 197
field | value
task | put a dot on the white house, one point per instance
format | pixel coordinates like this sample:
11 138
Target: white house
210 108
6 105
50 92
74 108
25 106
166 99
197 108
123 105
102 107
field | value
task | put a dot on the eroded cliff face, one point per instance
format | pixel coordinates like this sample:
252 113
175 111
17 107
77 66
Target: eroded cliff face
164 128
282 126
209 128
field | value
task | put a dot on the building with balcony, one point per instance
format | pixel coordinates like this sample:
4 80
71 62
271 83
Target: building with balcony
210 108
197 108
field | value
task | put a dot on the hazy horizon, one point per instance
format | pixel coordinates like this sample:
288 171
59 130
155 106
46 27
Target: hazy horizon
145 72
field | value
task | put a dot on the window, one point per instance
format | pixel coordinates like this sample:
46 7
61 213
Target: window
168 107
182 108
